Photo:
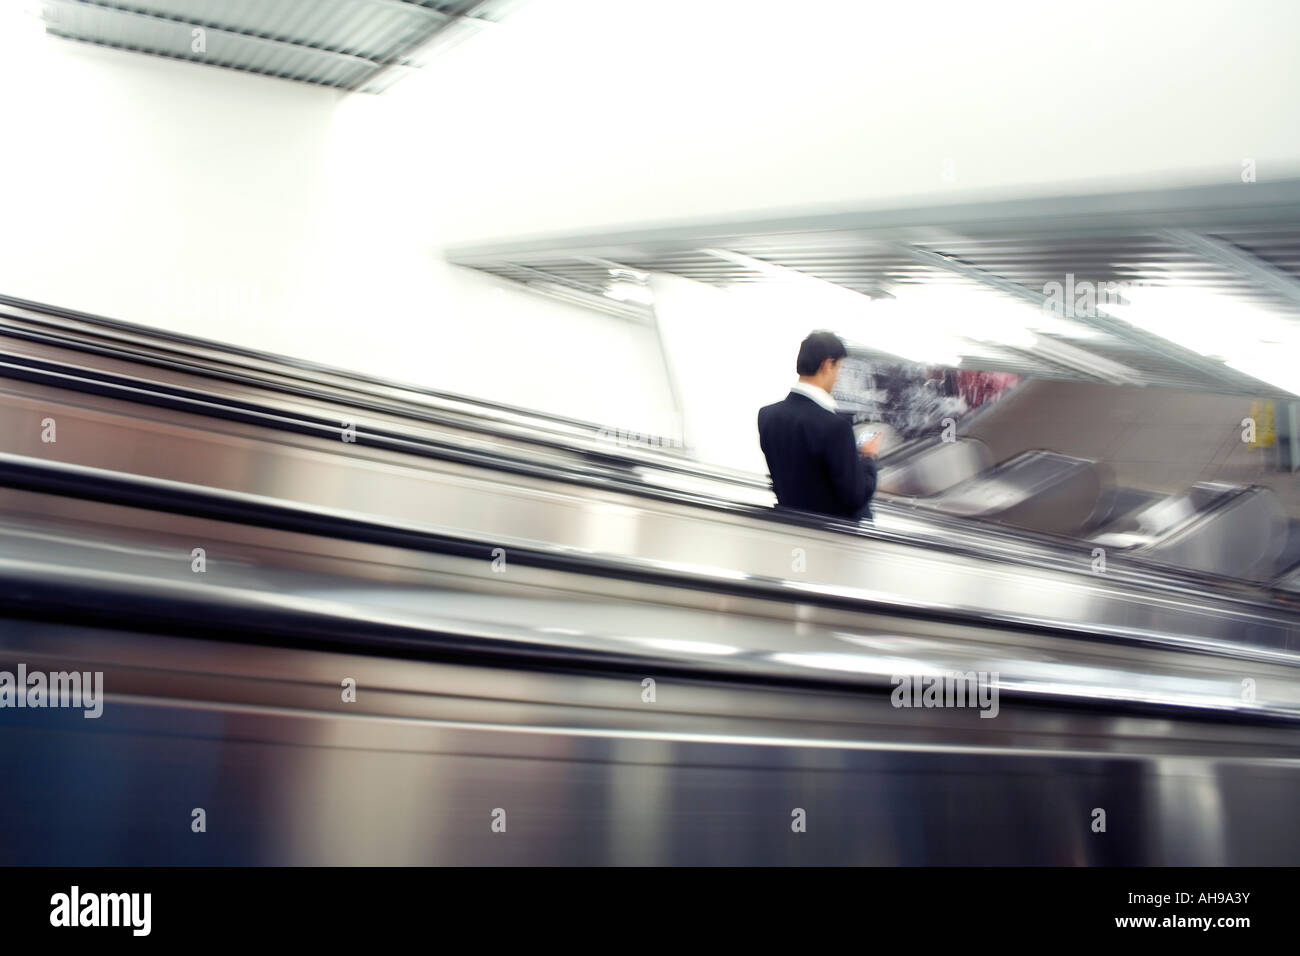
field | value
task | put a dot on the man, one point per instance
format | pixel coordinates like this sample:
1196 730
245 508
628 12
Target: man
815 462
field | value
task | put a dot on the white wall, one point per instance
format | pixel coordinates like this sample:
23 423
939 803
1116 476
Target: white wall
732 351
279 216
585 113
590 114
290 218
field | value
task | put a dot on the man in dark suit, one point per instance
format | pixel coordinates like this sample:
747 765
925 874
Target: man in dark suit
815 462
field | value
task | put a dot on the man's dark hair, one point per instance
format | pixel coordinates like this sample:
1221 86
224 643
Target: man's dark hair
817 348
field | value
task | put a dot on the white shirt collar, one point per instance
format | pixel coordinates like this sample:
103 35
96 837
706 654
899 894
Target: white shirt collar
820 396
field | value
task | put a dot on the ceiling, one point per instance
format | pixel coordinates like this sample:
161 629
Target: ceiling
355 45
1235 245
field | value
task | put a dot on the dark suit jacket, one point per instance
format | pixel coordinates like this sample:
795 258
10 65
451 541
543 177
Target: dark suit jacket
813 459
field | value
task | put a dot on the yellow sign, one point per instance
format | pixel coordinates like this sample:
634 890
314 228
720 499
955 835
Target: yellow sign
1265 424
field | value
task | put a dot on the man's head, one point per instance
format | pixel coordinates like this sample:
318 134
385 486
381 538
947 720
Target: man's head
819 359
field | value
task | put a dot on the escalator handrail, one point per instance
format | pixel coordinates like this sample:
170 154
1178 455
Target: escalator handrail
1136 571
1062 553
188 344
133 601
164 495
527 430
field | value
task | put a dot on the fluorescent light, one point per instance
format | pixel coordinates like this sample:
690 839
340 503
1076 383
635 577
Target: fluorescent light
622 272
886 326
628 292
984 315
1280 371
687 647
1245 337
927 324
877 324
1085 361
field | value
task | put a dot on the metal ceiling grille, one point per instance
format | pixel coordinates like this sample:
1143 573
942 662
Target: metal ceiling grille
358 45
1241 242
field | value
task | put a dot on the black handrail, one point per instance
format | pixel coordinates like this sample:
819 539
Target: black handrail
187 343
1132 570
369 401
156 494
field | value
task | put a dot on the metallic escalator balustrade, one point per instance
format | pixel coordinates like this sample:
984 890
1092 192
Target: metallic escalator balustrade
498 594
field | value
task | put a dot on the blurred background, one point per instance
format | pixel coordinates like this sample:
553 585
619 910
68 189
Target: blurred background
217 203
538 263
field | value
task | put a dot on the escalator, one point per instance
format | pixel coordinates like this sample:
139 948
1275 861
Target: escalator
399 479
1037 490
1214 528
232 565
608 722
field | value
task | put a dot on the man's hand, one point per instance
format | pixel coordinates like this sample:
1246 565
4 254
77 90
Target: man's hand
870 447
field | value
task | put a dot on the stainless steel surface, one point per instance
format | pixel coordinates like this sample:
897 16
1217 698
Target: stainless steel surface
586 773
523 693
1040 490
209 376
1166 515
882 567
80 558
928 468
145 358
514 682
1244 540
642 511
1291 580
1219 529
